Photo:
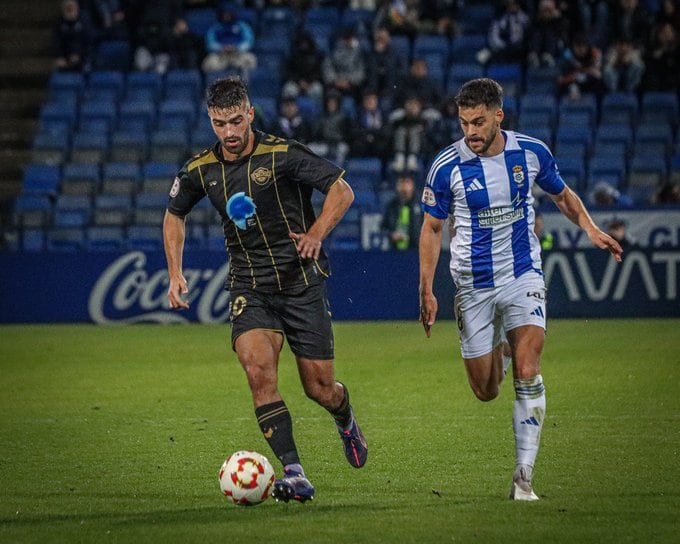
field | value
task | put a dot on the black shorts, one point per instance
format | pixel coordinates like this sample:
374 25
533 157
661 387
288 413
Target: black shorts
304 318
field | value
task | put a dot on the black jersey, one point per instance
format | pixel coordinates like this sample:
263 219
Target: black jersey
279 175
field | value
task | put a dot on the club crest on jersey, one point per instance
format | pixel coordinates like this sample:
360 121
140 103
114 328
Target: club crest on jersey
174 190
261 175
518 174
428 197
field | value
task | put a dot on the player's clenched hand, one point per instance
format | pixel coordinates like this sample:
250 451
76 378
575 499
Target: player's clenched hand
428 311
178 287
308 246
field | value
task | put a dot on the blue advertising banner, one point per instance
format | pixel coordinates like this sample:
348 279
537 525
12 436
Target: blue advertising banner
131 287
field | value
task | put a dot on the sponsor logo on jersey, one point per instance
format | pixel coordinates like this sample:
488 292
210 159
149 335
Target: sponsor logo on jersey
174 190
492 217
428 197
261 175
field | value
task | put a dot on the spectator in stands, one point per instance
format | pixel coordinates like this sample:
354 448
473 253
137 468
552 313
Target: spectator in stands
593 18
623 67
605 195
662 62
369 133
418 82
385 66
669 13
228 44
70 38
107 18
332 130
440 17
344 69
507 35
302 70
544 237
290 123
409 127
668 193
630 21
398 16
162 39
581 68
403 217
616 228
547 35
447 127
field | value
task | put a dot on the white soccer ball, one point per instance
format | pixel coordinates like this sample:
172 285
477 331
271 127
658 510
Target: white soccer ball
246 477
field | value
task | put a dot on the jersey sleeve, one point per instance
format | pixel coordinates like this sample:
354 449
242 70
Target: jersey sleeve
436 199
306 168
185 192
549 178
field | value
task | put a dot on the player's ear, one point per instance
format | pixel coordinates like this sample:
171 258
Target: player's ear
251 114
500 115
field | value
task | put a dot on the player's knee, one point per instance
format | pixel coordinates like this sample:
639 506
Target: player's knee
486 393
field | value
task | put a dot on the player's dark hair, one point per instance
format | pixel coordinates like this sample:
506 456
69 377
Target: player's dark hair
227 93
478 92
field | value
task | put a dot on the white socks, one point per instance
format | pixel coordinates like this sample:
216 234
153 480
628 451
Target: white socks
527 418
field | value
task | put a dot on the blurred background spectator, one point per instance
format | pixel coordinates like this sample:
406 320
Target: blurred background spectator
290 123
548 35
71 38
385 66
228 44
409 128
507 35
344 68
581 68
616 228
662 61
332 130
403 217
605 195
544 237
623 67
302 70
370 137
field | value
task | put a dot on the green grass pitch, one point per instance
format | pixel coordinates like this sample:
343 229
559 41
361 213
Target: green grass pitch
116 434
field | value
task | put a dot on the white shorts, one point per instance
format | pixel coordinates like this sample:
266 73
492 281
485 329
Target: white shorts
483 315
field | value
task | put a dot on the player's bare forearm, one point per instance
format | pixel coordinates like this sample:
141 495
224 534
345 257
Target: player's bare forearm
338 200
173 242
429 248
572 207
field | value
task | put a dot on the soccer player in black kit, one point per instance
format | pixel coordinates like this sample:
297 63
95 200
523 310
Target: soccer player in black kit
262 185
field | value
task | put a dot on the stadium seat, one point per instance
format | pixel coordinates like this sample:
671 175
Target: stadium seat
157 176
402 45
200 19
143 85
181 83
169 146
540 104
574 134
215 238
145 237
109 80
129 146
66 81
573 171
33 239
41 179
664 106
64 112
204 213
67 239
541 80
112 210
105 239
120 178
80 179
140 111
150 208
607 168
464 48
51 149
112 55
194 236
200 139
98 110
509 75
619 108
174 114
32 211
90 147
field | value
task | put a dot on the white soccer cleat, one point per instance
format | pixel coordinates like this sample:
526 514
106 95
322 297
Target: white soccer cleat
521 489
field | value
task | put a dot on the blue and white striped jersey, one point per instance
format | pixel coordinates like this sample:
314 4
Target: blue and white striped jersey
490 202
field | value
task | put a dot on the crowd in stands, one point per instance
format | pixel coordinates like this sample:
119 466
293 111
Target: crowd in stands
371 82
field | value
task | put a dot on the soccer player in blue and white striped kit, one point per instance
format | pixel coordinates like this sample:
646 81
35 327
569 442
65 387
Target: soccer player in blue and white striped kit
483 183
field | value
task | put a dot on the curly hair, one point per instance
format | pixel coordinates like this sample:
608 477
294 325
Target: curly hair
481 91
227 93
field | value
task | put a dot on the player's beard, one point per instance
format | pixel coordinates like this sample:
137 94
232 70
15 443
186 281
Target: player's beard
239 147
486 142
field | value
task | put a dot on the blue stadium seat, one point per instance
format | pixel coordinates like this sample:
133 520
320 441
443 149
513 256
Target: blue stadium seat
614 133
90 147
139 111
541 80
573 171
201 138
76 218
32 210
98 110
69 81
321 32
143 85
109 80
150 208
112 210
33 239
661 104
105 239
183 112
607 168
183 82
121 178
168 145
476 16
145 237
50 148
199 20
574 133
64 112
619 108
113 55
80 179
66 239
542 104
459 73
262 82
41 179
402 45
129 145
464 48
194 236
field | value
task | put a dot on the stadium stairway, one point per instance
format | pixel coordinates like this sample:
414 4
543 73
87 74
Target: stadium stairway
25 65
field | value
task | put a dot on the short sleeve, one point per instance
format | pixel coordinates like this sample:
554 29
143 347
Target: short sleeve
185 192
436 199
306 168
